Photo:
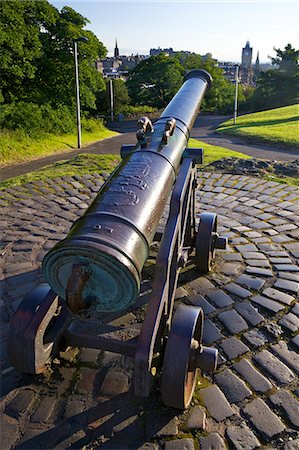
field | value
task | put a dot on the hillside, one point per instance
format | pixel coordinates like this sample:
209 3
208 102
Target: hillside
278 126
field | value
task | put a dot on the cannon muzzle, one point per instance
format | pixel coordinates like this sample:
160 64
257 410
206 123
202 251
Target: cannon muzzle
97 267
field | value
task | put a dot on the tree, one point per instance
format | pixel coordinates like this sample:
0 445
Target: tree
37 55
280 85
120 97
20 45
155 81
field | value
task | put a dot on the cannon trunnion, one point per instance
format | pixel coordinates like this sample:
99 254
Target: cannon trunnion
94 274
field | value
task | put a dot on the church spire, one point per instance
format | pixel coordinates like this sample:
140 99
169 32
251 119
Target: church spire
116 50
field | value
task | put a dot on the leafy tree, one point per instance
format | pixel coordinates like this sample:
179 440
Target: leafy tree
280 85
155 81
36 54
20 45
120 97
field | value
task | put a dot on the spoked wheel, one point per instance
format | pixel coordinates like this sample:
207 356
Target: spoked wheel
179 368
207 240
36 330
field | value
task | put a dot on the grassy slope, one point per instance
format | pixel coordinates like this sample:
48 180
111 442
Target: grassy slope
17 147
87 163
279 126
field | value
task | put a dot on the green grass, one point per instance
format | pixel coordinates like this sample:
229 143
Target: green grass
213 153
278 126
17 147
89 163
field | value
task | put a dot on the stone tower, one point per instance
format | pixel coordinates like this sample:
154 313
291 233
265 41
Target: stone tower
116 50
246 64
257 63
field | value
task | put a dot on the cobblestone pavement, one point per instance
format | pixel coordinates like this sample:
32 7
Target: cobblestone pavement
85 399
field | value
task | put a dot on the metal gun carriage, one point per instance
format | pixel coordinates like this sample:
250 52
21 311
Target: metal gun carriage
95 272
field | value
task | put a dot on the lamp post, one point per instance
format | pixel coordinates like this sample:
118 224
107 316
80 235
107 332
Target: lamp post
80 39
236 93
111 101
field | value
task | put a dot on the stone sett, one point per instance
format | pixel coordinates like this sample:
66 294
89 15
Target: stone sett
258 382
279 371
212 441
249 313
242 437
233 321
287 355
263 418
234 347
288 403
216 403
233 387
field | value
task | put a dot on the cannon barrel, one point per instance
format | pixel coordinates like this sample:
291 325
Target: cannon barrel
97 267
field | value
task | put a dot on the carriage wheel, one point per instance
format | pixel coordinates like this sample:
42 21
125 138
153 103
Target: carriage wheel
207 240
179 367
36 330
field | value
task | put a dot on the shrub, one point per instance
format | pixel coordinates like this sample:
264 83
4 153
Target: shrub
132 111
34 119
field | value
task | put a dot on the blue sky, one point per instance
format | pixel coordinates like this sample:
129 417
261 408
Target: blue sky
219 27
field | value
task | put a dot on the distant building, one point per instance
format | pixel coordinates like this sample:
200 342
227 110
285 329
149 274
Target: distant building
118 66
116 50
257 64
246 64
229 69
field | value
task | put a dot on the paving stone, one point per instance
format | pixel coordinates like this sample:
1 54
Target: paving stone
295 309
275 294
197 418
246 248
211 332
87 380
74 407
216 403
232 257
295 341
233 321
242 437
254 255
267 303
9 432
180 444
234 389
259 271
230 268
289 276
279 371
288 403
44 410
219 298
263 418
255 337
258 262
287 285
198 300
212 442
161 424
237 290
115 383
287 355
233 347
249 313
286 268
252 376
21 403
292 445
201 285
250 282
89 355
290 321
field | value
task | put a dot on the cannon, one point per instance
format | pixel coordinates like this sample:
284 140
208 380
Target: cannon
94 274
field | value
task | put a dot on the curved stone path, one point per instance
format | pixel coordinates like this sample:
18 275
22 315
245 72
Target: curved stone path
85 400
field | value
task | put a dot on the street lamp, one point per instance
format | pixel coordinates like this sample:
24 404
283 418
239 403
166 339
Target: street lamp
80 39
236 93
